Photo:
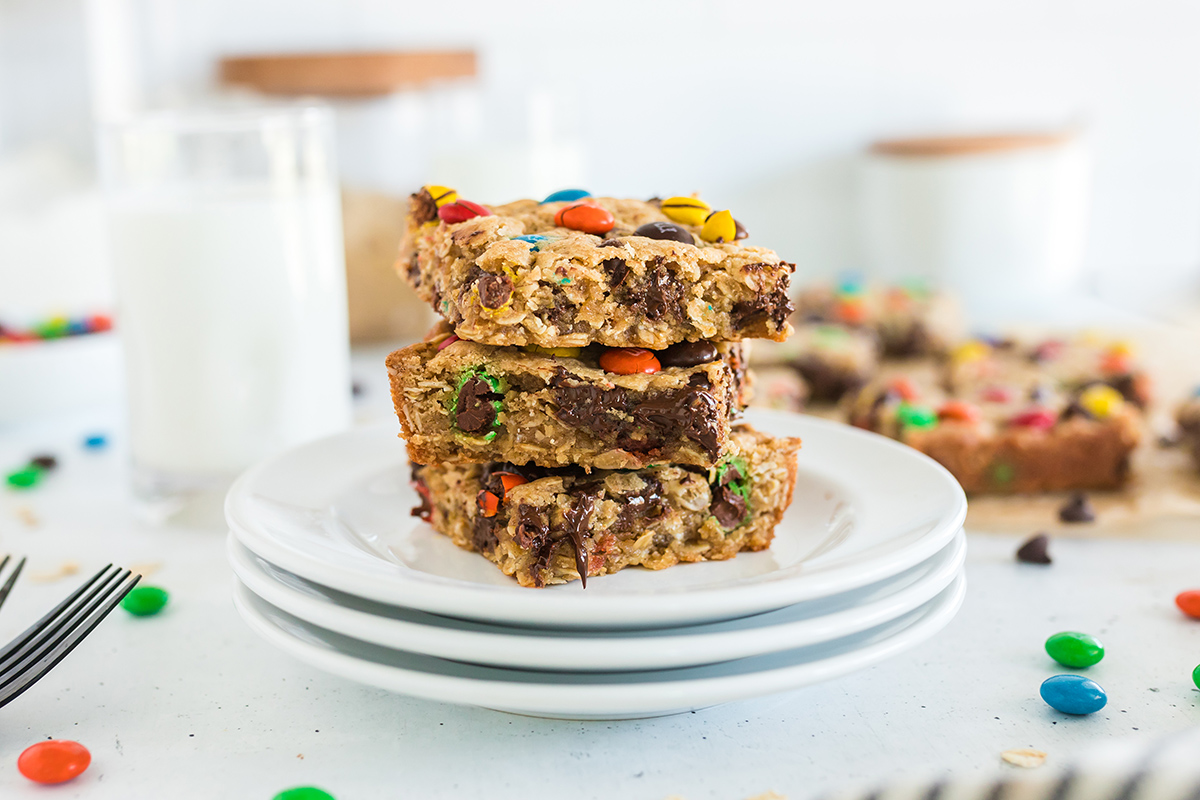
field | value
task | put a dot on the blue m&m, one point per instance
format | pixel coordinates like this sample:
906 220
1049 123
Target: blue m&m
1073 694
566 195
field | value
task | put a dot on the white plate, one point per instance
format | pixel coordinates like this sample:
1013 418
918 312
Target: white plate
592 695
591 651
336 512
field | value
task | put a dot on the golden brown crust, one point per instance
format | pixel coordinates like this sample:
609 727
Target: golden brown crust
574 288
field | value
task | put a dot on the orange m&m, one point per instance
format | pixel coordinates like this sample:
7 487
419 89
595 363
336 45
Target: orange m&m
629 361
54 761
585 217
1189 602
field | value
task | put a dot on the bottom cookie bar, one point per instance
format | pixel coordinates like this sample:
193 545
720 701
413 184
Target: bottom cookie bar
553 525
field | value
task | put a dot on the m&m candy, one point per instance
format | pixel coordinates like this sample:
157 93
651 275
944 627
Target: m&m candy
686 210
566 196
629 361
585 217
1101 401
1075 650
1073 694
719 227
303 793
145 601
54 761
1189 602
461 211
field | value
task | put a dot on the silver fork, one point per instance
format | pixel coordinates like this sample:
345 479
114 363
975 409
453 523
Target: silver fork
35 652
8 584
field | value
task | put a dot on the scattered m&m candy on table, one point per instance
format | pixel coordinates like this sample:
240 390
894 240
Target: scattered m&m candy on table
1189 602
1076 650
54 761
1073 694
303 793
1196 676
145 601
95 441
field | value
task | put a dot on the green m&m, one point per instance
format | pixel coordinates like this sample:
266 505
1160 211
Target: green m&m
144 601
1076 650
303 793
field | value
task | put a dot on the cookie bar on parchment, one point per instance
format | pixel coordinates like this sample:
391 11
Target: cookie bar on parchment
546 526
518 277
462 401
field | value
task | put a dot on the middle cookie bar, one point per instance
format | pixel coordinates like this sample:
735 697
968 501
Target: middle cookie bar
462 401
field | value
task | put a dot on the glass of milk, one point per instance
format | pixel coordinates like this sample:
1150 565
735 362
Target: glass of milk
226 241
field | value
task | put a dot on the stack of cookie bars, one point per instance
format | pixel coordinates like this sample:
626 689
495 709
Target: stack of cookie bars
576 410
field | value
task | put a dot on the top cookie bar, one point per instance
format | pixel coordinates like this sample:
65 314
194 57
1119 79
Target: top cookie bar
622 273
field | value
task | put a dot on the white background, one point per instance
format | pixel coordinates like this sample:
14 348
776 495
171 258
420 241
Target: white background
762 105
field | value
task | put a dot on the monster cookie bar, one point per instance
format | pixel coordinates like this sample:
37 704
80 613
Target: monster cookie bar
1072 364
1188 418
999 438
599 407
833 359
546 525
909 320
582 270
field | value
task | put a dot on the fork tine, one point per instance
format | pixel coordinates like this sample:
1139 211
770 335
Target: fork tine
8 584
58 629
34 629
39 668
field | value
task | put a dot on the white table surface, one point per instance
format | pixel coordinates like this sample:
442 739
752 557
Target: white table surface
190 703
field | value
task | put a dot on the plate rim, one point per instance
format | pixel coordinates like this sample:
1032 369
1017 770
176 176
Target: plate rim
567 649
475 601
633 698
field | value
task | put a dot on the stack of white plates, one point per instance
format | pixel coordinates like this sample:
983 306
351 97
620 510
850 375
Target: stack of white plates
332 568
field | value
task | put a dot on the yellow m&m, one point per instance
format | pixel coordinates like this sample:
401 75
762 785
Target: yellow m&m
719 227
686 210
1101 401
442 195
967 352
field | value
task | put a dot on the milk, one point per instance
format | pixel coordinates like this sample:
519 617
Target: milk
232 310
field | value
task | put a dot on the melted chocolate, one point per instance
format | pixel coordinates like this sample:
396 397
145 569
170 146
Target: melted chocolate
728 507
531 527
474 412
774 307
615 415
616 269
483 534
576 521
646 503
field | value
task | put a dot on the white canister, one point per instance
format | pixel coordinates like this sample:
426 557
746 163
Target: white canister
1001 220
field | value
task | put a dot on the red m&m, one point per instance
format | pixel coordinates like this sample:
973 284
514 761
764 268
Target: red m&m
461 211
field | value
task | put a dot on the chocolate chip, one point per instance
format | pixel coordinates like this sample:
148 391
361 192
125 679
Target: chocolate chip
1077 509
660 296
422 207
660 541
693 412
668 231
688 354
1034 551
475 412
494 290
728 507
483 534
414 270
740 232
44 462
531 527
617 271
610 243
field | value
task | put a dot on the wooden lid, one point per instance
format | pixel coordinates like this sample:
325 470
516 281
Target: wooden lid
967 145
345 74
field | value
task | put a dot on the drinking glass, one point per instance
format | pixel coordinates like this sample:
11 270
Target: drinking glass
226 238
